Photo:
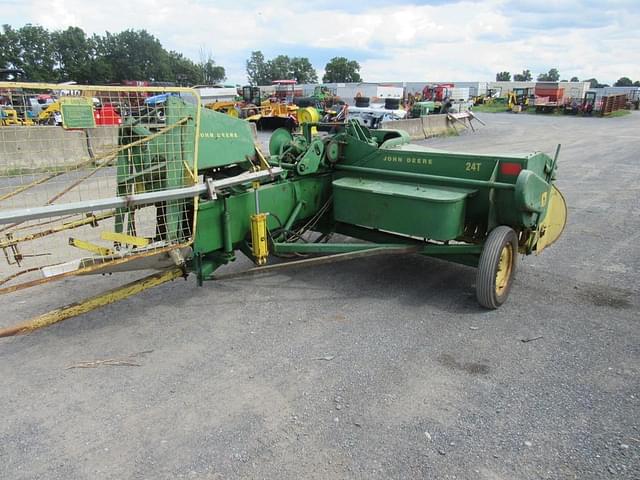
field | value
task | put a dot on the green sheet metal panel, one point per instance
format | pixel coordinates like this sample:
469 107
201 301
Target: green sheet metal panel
277 199
223 140
432 212
425 160
77 113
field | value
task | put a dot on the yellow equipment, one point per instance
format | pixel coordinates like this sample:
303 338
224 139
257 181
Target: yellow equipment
308 115
9 116
48 113
518 97
230 108
272 115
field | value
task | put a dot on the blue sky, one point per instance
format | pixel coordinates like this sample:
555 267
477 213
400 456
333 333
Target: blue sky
393 41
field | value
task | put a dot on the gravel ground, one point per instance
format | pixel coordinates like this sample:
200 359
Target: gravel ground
381 367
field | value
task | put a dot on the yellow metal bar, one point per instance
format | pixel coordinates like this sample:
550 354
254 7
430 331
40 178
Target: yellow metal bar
195 164
124 238
90 247
261 158
93 219
92 303
99 88
75 184
89 267
15 192
17 274
194 179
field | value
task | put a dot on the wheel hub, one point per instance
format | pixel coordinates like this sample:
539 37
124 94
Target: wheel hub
505 265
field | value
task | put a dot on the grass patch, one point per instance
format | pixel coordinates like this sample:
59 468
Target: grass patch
618 113
500 108
491 108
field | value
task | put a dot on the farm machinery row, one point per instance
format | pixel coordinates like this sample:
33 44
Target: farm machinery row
546 97
284 108
186 195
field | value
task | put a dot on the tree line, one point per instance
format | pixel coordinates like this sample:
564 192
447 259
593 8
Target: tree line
72 55
263 72
554 76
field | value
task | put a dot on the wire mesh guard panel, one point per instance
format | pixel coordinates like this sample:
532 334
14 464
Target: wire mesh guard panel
63 145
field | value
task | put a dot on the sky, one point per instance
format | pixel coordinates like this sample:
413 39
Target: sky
436 40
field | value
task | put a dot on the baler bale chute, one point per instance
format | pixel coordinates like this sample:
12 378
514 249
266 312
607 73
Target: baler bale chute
203 190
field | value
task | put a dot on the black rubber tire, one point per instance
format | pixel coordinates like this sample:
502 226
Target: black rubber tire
290 124
362 101
304 102
488 267
392 103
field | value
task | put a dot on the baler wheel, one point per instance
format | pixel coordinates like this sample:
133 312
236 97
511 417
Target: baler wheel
497 267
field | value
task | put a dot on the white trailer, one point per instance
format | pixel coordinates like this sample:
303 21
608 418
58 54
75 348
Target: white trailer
459 94
216 93
376 93
475 88
372 117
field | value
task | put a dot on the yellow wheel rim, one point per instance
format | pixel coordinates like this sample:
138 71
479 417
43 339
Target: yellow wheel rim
232 112
554 221
308 115
505 266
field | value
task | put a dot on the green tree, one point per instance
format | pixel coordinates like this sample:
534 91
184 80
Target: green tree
137 55
72 53
574 79
101 69
69 54
503 77
623 82
593 83
36 53
302 70
210 72
257 73
525 76
261 72
279 68
341 69
552 76
184 70
636 83
9 48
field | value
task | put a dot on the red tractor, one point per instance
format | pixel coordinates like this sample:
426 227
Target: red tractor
437 93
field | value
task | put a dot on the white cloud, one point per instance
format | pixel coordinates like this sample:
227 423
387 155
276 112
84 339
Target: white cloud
460 40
